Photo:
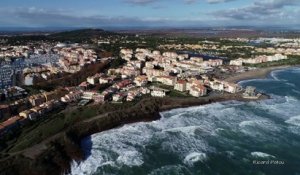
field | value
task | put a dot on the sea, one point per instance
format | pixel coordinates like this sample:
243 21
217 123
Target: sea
226 138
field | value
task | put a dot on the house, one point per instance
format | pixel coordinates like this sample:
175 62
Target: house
88 95
10 124
198 90
119 97
144 90
107 79
93 79
193 82
28 114
167 80
123 84
216 85
72 97
54 95
158 92
133 94
39 110
84 85
180 85
141 80
237 62
37 100
98 98
107 94
232 88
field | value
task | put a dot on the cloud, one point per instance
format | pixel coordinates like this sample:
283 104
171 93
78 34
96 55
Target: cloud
147 2
208 1
140 2
38 17
218 1
259 10
190 1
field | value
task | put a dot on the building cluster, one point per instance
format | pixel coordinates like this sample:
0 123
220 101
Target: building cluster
258 59
205 45
39 72
280 50
25 51
12 93
145 68
29 109
15 51
74 58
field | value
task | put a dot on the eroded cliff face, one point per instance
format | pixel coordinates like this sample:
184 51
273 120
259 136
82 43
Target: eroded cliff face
65 148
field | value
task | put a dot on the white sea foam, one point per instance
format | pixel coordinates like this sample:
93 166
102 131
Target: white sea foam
255 80
259 128
261 155
194 157
130 158
281 107
296 91
294 120
170 169
185 133
189 130
274 74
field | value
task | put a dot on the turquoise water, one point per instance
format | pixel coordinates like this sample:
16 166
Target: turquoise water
216 139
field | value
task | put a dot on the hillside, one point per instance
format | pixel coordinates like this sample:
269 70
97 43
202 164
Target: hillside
79 35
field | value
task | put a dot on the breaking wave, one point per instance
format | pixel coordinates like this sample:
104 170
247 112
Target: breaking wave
262 155
191 140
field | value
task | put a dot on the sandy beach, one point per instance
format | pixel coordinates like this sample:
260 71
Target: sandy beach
259 73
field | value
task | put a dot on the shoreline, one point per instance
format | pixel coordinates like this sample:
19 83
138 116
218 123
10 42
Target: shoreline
65 146
59 151
260 73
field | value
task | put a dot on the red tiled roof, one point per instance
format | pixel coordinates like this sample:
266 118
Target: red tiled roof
10 121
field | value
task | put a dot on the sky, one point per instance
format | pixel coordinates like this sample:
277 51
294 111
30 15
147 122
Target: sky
149 13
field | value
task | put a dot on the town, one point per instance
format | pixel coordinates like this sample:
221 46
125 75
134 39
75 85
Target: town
169 70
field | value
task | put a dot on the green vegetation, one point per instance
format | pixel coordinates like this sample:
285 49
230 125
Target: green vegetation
80 36
117 63
293 61
174 93
56 123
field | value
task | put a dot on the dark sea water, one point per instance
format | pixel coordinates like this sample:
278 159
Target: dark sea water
226 138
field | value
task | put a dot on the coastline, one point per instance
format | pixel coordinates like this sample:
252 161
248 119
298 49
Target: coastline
65 146
260 73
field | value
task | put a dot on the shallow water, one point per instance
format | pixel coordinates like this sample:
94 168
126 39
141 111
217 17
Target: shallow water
220 138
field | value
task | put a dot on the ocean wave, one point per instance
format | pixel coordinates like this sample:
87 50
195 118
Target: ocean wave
189 130
291 84
191 134
261 155
171 169
130 158
278 106
194 157
294 120
274 74
243 82
295 70
259 129
296 91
